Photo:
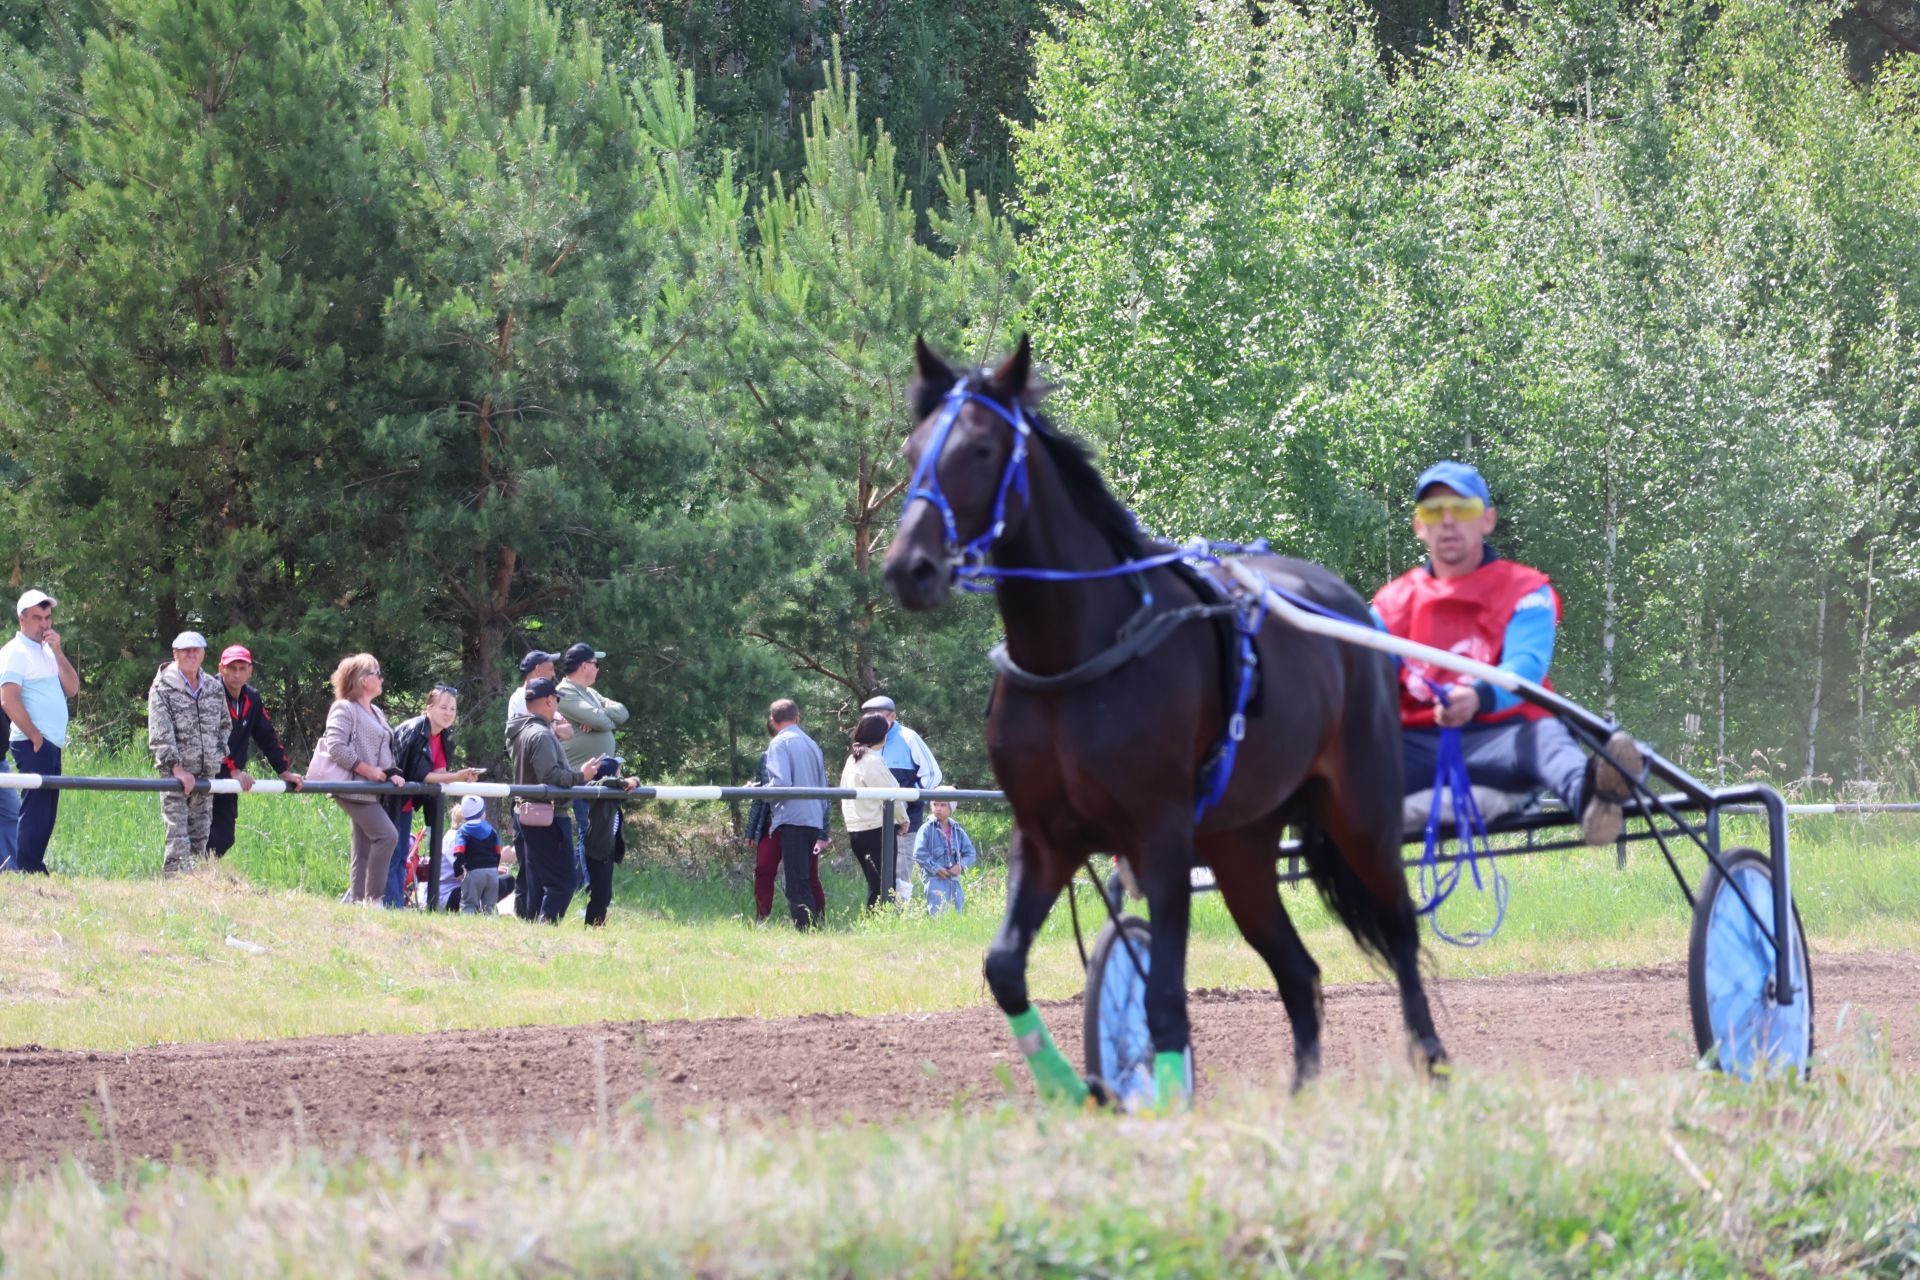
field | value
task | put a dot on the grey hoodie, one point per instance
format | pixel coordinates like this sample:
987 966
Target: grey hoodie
538 758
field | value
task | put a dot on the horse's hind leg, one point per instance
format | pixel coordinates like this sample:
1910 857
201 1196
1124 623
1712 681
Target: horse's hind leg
1244 871
1034 881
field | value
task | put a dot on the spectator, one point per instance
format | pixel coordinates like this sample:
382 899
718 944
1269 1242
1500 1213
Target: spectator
799 826
248 726
471 861
187 733
605 844
540 761
912 765
944 851
866 768
358 745
766 860
35 682
423 750
537 665
594 718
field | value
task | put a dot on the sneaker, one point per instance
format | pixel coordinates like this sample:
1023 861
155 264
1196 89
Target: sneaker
1608 788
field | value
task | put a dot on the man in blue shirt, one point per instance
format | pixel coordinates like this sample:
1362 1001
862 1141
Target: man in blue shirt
800 826
36 679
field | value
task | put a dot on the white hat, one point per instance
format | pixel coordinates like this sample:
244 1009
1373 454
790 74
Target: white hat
880 702
33 597
472 807
189 640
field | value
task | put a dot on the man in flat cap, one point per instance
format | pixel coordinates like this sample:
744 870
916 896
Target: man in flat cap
187 733
911 762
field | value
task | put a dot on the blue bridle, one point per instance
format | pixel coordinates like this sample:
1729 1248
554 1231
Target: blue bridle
969 561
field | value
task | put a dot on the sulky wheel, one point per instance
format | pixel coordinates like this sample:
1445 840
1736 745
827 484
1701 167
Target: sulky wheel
1738 1021
1119 1046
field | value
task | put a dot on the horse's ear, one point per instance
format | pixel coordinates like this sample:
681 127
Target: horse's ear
1010 381
932 379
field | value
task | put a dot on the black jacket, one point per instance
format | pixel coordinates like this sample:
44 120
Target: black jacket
412 757
250 727
605 841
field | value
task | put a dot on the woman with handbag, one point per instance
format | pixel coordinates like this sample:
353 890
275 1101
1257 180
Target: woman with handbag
540 761
357 746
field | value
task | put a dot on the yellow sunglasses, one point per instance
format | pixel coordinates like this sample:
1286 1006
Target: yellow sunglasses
1435 510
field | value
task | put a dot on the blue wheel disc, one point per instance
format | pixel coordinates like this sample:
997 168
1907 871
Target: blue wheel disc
1738 1020
1119 1047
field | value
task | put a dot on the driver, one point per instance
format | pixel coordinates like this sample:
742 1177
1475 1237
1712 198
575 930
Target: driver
1467 600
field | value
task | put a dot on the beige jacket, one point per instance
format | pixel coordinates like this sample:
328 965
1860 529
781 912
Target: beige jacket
184 730
355 734
869 770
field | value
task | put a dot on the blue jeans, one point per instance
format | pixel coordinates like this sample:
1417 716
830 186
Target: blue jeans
396 890
38 809
1515 755
9 824
582 811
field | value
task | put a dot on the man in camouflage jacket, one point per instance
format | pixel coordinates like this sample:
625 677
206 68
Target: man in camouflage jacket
187 732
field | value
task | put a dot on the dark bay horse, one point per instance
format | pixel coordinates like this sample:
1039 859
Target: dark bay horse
1114 763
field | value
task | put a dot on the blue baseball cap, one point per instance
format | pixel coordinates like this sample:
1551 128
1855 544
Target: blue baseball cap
1457 476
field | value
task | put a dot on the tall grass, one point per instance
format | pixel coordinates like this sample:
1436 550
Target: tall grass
1680 1176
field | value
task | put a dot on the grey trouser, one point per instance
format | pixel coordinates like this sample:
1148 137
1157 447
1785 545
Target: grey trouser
373 842
480 891
188 819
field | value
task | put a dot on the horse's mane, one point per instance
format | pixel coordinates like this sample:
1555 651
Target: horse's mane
1085 487
1088 491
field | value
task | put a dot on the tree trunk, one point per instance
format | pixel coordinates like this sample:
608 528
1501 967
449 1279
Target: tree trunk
1819 674
1860 690
1609 608
1720 692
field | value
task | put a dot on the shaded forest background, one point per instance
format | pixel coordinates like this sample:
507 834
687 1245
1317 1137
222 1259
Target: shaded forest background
450 329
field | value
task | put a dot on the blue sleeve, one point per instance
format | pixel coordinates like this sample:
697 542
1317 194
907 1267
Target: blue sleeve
923 849
1380 624
968 854
1527 649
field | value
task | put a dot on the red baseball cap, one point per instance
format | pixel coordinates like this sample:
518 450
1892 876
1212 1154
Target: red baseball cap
235 653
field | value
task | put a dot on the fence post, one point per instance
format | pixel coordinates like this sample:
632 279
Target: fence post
436 806
889 851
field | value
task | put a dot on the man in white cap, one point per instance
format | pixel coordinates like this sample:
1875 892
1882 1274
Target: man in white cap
187 733
36 679
911 763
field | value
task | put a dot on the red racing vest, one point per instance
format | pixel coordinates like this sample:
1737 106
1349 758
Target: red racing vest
1467 616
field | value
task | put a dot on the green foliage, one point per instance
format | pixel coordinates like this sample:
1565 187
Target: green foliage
840 285
1649 274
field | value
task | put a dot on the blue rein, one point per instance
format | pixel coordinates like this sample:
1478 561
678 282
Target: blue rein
970 569
1470 838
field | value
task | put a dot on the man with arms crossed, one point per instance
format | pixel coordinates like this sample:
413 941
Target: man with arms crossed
35 682
1469 601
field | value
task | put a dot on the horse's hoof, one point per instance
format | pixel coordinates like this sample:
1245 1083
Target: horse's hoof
1432 1060
1102 1096
1306 1067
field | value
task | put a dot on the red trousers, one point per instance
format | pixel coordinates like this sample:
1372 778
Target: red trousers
766 869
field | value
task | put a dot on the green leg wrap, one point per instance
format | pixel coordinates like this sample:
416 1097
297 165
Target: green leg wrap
1170 1081
1053 1076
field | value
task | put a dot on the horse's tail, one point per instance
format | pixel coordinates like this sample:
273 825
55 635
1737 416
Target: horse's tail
1372 922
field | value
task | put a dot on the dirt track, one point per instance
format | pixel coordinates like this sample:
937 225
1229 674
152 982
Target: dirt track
372 1091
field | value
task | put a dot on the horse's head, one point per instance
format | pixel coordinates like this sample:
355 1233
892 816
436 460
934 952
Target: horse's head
968 451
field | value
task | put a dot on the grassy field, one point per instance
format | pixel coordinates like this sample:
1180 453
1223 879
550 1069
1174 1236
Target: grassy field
1683 1176
1496 1176
105 956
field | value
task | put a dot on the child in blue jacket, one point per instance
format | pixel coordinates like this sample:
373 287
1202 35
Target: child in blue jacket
943 850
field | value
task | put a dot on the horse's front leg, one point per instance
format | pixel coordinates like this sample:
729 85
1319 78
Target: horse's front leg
1034 881
1163 868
